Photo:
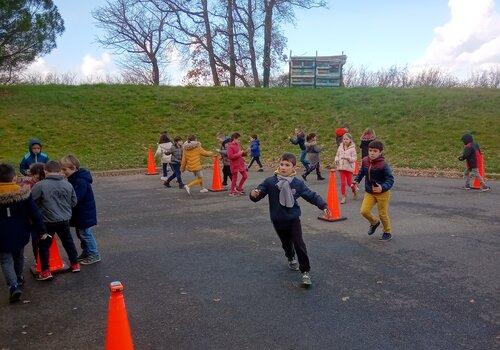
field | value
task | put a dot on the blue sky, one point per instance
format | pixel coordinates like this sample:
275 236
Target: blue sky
374 34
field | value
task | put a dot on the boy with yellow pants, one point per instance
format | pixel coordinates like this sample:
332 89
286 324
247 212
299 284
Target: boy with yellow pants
378 182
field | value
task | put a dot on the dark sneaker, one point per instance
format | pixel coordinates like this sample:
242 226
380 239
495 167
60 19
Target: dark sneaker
321 178
260 170
15 294
373 228
304 177
293 264
306 279
166 184
486 189
466 188
82 257
91 260
386 236
75 267
224 184
44 275
181 186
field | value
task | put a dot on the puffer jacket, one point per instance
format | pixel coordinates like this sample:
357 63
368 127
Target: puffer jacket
349 153
161 152
375 171
191 156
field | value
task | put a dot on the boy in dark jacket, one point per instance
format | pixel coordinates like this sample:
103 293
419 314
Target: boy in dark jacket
378 182
84 214
226 164
19 215
283 189
175 164
471 155
255 152
34 155
299 138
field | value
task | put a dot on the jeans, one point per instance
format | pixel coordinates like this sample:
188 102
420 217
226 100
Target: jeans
382 202
176 169
164 167
87 241
303 159
63 231
12 266
290 234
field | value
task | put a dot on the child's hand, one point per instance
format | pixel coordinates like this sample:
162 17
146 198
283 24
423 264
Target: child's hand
377 188
255 193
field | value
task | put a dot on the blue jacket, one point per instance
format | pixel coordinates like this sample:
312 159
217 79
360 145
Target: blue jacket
19 216
30 157
255 148
84 213
299 140
279 212
375 171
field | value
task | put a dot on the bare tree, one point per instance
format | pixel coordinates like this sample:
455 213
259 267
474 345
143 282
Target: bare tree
134 28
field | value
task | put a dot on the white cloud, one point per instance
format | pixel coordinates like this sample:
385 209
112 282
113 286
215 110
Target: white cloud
470 40
40 67
96 67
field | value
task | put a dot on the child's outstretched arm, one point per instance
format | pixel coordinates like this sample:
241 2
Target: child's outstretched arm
206 153
312 197
260 192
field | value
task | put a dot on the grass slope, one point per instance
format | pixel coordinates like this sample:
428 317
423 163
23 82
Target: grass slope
110 126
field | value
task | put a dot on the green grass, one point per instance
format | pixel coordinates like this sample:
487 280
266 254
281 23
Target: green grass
111 126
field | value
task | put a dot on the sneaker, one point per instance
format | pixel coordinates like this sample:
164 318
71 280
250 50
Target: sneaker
15 294
386 236
203 190
188 190
373 228
224 184
293 264
167 184
342 201
240 193
181 186
260 170
75 267
163 178
82 257
44 275
321 178
304 177
467 188
486 189
306 279
91 260
233 194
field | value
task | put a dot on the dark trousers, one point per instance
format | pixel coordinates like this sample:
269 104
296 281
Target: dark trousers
255 159
176 169
312 168
290 234
34 243
164 167
63 231
226 173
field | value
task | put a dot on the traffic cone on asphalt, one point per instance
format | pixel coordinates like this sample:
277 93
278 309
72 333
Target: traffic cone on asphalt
216 178
118 335
151 163
356 168
56 264
332 200
480 166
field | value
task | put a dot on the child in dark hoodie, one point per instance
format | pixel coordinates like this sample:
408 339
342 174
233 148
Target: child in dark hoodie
284 189
313 151
367 137
378 182
471 155
84 214
255 152
19 216
226 163
299 138
34 155
175 152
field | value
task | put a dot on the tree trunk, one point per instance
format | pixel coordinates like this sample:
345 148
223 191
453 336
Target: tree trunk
230 33
210 46
251 44
155 72
268 26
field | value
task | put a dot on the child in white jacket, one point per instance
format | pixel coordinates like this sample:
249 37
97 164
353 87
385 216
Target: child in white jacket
164 145
345 162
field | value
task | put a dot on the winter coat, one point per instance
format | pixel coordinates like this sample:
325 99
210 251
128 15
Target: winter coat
191 156
279 212
365 141
471 151
375 171
313 151
30 157
19 216
84 214
235 155
223 152
255 148
300 140
55 197
161 152
350 153
175 153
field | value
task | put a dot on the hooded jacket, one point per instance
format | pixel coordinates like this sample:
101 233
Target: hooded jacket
471 151
365 141
161 152
313 151
350 153
375 171
84 214
191 156
255 148
235 155
300 140
30 157
19 216
175 152
55 197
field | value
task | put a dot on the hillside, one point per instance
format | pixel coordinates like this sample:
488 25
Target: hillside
111 126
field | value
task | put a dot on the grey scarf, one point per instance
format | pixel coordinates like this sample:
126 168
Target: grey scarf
286 195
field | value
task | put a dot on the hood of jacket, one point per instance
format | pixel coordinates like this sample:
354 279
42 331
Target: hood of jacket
189 145
467 138
32 142
13 193
377 163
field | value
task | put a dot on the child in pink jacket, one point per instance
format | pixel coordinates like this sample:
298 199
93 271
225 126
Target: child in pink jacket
344 162
236 164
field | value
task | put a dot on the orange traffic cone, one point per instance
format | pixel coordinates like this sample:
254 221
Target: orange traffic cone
356 168
333 201
480 166
56 264
151 163
216 178
118 335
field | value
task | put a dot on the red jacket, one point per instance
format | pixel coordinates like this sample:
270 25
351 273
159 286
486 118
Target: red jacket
235 155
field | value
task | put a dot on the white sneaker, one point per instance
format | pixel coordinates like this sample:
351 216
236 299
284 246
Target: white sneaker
203 190
163 178
293 264
306 279
188 190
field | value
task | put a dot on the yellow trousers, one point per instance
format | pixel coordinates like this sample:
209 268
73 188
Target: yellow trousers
382 201
198 179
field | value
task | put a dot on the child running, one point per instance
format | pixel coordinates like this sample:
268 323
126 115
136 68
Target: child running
191 161
367 137
55 197
19 216
34 155
344 162
283 189
175 162
226 168
378 182
237 164
84 214
164 145
313 151
299 138
255 152
471 154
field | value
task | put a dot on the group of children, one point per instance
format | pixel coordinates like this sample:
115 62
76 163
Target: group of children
52 197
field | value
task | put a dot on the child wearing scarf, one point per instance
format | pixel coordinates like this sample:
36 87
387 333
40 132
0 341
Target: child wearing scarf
283 189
